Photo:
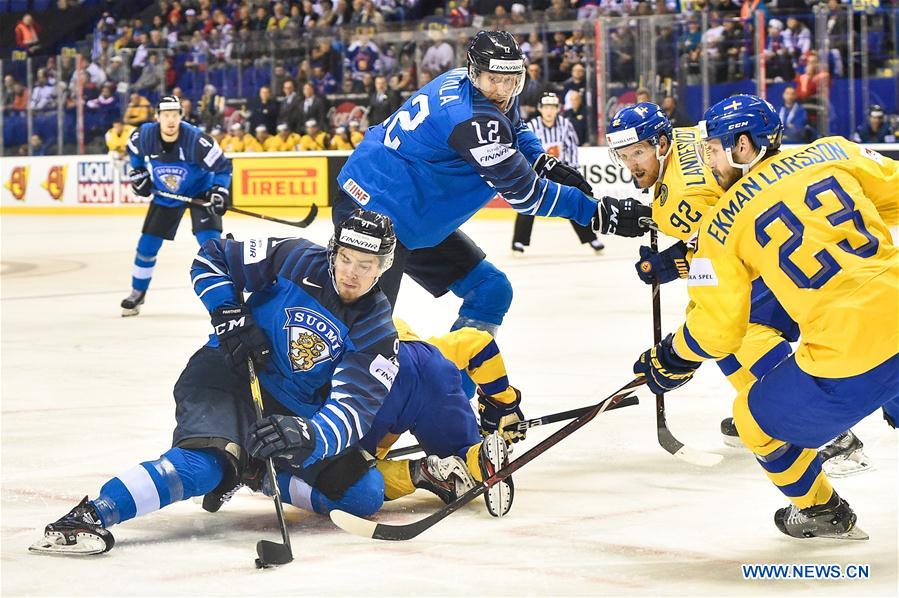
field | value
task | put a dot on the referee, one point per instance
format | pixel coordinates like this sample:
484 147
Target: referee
559 140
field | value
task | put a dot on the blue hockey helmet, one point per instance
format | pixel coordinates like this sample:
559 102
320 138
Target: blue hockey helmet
742 114
642 122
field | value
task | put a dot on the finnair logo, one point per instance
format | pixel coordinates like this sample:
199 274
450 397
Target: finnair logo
361 240
491 154
505 66
254 250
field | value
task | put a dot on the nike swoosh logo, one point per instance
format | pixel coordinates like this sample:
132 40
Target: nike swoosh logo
308 282
202 220
279 241
154 156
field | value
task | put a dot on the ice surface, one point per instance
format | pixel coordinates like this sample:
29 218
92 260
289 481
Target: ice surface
86 395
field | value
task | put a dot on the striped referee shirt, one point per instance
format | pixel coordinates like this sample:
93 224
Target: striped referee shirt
559 140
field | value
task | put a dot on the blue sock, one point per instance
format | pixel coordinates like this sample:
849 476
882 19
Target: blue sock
145 261
362 499
204 235
178 474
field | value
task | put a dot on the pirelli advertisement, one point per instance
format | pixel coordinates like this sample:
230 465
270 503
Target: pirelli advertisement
281 182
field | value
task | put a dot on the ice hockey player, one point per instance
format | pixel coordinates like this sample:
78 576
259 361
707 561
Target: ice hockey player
449 149
428 400
173 156
810 222
320 333
666 162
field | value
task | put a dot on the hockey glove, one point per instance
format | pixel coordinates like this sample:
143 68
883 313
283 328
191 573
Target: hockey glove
621 217
217 198
140 182
664 369
497 416
239 337
284 436
550 168
664 266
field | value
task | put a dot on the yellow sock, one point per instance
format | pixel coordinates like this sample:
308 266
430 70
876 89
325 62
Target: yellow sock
397 479
473 462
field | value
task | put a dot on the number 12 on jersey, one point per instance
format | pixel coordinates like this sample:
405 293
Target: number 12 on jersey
406 121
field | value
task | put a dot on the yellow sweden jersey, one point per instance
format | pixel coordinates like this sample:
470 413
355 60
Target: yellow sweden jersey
117 143
687 188
241 143
276 143
807 220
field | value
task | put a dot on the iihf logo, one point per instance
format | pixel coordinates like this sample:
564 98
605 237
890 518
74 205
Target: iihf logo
312 338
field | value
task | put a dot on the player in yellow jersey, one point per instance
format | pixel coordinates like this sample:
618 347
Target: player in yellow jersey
666 161
283 141
810 222
239 141
427 399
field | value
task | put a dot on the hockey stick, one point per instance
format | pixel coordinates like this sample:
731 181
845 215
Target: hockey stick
666 438
270 553
521 426
313 211
381 531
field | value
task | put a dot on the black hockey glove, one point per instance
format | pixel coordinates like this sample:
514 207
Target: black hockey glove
497 416
551 168
283 436
621 217
664 369
663 266
140 182
218 198
239 337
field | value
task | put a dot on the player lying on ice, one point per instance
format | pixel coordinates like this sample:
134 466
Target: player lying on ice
811 222
320 331
665 161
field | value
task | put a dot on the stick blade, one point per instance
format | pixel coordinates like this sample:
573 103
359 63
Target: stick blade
698 458
354 525
272 554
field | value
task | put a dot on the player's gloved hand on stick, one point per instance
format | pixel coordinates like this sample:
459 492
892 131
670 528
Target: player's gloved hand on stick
218 198
239 337
663 266
140 181
496 415
621 217
551 168
664 369
292 438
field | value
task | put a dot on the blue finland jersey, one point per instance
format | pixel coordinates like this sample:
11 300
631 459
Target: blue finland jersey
332 363
443 155
190 167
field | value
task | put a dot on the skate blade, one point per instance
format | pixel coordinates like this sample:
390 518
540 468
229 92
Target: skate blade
127 313
842 467
732 441
54 544
855 533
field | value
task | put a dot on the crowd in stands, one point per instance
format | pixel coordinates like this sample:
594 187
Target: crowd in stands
316 66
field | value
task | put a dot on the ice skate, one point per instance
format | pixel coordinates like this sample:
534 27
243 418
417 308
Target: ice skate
597 246
729 433
844 456
493 456
448 478
834 519
79 533
517 249
131 304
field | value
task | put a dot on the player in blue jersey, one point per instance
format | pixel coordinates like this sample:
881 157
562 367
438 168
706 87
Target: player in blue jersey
320 332
173 156
449 149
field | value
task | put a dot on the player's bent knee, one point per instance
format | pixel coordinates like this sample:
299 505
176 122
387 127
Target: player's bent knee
486 294
364 498
200 470
750 433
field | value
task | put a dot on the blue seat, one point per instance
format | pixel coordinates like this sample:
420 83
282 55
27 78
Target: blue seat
40 5
18 6
4 6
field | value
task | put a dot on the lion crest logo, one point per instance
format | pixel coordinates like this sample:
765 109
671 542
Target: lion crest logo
312 338
171 176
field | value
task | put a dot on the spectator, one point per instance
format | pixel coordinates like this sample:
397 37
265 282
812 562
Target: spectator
642 95
106 102
815 78
624 46
732 50
189 113
361 57
356 134
439 56
778 59
264 110
291 104
797 38
210 107
341 140
43 96
27 34
285 141
151 77
577 116
138 110
36 145
793 117
577 82
116 71
874 131
19 97
674 114
313 108
315 139
279 77
323 82
7 94
240 141
383 102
